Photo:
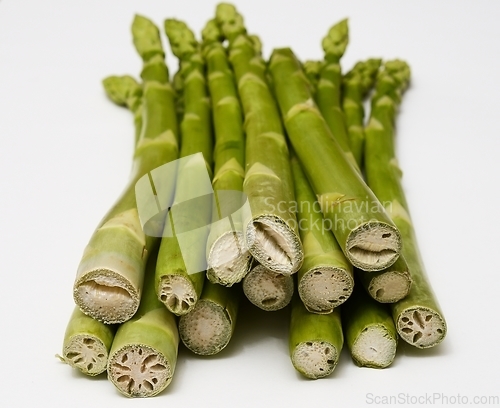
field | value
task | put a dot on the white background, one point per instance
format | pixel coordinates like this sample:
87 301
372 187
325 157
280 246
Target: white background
65 156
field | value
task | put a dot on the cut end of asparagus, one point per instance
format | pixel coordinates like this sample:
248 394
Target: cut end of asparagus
421 327
373 246
374 348
274 244
139 371
391 286
86 353
106 296
315 359
229 260
268 290
177 294
206 330
324 288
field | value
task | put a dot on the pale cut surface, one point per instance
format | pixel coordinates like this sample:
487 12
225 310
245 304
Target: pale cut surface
390 287
86 353
421 327
324 288
206 330
373 246
374 348
177 294
315 359
274 245
268 290
139 371
229 260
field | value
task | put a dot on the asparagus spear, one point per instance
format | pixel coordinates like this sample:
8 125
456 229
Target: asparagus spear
268 290
180 274
325 279
87 343
312 70
109 279
143 355
366 234
369 331
315 340
228 258
207 329
271 231
418 317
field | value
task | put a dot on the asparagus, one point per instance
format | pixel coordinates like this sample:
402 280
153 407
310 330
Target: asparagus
228 258
366 234
312 70
355 86
418 317
268 290
315 340
271 231
109 279
207 329
325 279
87 343
369 331
180 274
143 355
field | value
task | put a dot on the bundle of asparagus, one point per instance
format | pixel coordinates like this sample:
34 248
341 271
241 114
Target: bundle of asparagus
303 205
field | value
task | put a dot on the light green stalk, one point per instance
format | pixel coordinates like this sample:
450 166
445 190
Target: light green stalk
87 343
325 279
228 258
143 356
315 340
369 331
268 290
271 230
207 329
366 234
110 276
418 317
355 86
180 274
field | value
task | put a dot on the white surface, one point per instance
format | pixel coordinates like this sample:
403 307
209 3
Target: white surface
65 156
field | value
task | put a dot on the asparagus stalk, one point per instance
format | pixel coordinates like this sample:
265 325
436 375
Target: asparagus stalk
315 340
207 329
268 290
228 258
109 279
325 279
355 86
312 70
418 317
366 234
180 272
87 343
271 230
143 355
369 331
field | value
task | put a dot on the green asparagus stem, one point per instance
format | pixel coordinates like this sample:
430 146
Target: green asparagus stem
143 355
355 86
228 258
271 230
207 329
110 276
366 234
325 279
180 275
315 340
267 289
312 70
87 343
418 317
369 331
